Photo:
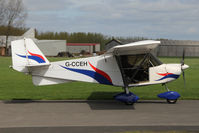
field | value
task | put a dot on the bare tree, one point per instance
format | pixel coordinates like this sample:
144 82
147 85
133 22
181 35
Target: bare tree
1 11
14 16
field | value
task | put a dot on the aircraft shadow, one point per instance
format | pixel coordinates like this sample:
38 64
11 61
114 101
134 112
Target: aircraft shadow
94 101
113 104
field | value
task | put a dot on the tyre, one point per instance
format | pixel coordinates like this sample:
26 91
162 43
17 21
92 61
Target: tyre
172 101
129 103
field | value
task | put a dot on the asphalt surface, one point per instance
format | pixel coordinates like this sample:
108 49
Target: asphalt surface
97 116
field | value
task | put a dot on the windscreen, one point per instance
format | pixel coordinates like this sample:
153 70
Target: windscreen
154 60
135 68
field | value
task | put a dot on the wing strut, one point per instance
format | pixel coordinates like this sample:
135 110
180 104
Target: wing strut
122 72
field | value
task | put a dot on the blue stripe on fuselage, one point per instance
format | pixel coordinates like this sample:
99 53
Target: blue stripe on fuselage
98 77
169 76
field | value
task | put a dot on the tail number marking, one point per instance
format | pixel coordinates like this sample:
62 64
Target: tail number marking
76 63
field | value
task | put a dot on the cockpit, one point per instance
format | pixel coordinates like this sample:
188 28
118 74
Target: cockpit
135 68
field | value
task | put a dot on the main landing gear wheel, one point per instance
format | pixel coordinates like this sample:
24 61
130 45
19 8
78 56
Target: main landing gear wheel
172 101
126 97
129 103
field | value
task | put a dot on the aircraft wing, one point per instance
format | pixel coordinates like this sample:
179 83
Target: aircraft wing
140 47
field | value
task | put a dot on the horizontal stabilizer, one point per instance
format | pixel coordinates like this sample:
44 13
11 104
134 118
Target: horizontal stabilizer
39 81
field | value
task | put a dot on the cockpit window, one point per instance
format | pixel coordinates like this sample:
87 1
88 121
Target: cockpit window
154 60
136 67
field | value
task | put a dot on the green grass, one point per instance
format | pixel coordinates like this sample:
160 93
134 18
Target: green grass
15 85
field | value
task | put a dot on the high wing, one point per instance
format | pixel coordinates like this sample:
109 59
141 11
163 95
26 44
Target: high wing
140 47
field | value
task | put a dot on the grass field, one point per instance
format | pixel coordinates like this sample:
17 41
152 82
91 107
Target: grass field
15 85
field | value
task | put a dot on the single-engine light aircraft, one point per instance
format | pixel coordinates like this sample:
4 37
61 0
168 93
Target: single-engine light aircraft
129 65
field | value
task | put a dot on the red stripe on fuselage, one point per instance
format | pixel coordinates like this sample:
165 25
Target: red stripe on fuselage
164 74
101 72
36 55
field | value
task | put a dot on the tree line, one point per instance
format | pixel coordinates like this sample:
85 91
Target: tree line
76 37
14 31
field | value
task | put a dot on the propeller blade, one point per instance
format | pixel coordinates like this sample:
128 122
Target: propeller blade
184 78
183 56
182 69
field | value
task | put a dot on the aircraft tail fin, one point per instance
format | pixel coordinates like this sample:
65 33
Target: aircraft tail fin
25 53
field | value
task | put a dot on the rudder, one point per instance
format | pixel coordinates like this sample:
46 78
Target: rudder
25 53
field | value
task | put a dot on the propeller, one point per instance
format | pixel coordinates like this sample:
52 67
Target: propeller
183 67
183 55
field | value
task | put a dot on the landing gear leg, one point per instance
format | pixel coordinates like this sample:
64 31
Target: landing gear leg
126 90
170 96
166 87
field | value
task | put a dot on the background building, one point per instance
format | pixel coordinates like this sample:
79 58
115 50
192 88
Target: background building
113 43
51 47
2 50
79 47
175 48
48 47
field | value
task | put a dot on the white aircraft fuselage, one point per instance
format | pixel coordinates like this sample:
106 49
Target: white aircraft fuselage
126 66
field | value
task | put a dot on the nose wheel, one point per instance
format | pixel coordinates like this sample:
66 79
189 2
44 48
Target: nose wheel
170 101
170 96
